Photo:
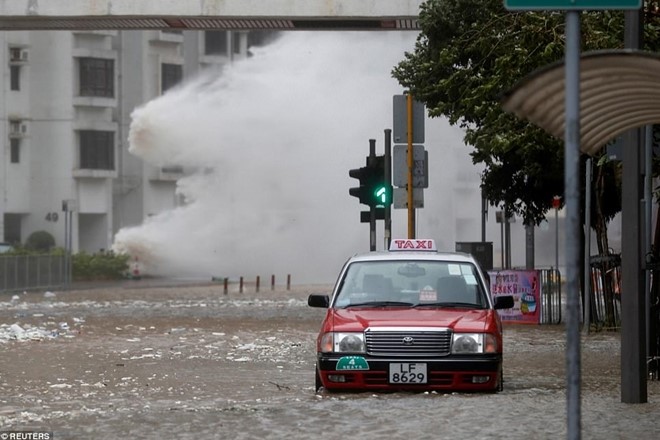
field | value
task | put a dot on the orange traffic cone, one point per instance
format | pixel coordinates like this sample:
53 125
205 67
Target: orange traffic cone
136 269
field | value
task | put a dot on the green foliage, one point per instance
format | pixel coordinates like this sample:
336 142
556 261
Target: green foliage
24 250
41 241
101 266
471 52
85 266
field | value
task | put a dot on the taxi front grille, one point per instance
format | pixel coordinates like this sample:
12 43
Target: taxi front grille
408 343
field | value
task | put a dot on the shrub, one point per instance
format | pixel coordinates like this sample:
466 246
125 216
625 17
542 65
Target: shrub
102 266
40 241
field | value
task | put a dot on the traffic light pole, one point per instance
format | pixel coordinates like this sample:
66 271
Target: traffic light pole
388 181
372 209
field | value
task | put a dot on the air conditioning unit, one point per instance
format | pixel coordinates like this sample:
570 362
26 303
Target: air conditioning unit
17 128
172 169
17 55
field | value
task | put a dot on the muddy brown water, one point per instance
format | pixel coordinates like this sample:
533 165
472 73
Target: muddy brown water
190 362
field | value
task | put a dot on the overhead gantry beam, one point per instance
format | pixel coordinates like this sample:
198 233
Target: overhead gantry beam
210 14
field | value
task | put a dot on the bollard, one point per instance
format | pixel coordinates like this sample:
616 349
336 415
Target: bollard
272 282
240 285
257 288
136 270
226 285
288 282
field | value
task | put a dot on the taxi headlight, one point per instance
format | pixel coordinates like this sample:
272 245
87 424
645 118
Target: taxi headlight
467 343
343 342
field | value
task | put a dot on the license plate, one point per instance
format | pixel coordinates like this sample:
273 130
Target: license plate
411 373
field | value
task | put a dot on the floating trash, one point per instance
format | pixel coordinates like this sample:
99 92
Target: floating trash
16 332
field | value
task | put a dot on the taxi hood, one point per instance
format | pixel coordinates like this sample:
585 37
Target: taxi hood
358 319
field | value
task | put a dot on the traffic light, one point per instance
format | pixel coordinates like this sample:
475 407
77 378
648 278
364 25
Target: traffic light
380 191
373 190
364 176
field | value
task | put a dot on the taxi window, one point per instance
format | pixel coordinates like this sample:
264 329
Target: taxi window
410 282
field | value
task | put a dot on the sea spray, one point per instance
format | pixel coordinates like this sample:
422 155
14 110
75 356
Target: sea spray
267 144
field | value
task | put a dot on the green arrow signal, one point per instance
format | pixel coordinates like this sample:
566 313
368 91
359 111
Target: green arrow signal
381 194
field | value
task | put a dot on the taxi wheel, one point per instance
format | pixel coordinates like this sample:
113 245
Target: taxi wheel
318 384
500 385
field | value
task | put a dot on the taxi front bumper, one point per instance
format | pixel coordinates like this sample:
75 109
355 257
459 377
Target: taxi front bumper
453 373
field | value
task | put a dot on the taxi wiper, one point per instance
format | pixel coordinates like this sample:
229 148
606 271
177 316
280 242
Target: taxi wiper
380 304
449 304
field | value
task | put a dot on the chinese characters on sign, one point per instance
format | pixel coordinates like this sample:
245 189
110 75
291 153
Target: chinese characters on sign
524 286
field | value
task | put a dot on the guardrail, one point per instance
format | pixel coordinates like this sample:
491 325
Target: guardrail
27 272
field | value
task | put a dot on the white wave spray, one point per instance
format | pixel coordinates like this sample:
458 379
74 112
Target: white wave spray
273 138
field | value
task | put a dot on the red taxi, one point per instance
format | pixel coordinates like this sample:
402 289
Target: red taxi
410 319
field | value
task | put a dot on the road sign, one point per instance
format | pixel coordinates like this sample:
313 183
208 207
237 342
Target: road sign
400 126
400 198
420 166
564 5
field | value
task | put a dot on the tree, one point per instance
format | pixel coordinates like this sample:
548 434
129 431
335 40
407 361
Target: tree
42 241
472 51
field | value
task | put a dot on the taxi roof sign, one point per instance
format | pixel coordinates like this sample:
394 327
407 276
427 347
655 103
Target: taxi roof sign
413 244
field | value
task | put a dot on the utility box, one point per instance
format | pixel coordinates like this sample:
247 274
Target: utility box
482 251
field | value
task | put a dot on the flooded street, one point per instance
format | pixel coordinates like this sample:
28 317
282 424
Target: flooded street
190 362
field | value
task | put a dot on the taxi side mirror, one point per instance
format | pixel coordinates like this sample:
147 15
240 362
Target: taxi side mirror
504 302
315 300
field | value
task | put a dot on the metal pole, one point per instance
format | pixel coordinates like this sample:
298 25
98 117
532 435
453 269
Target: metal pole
70 266
502 241
372 209
572 198
388 181
529 246
65 275
484 217
587 246
633 315
507 238
411 205
648 203
557 239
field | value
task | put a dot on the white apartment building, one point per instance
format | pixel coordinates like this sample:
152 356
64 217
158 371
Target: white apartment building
66 101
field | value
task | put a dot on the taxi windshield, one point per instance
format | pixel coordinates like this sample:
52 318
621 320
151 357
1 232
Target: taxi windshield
411 283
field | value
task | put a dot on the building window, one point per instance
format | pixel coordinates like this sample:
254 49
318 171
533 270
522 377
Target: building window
12 228
17 128
170 75
14 77
97 150
215 42
15 150
97 77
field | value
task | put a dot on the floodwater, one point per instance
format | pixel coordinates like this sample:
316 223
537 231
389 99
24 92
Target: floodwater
191 362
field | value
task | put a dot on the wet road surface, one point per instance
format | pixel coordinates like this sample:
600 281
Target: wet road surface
190 362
